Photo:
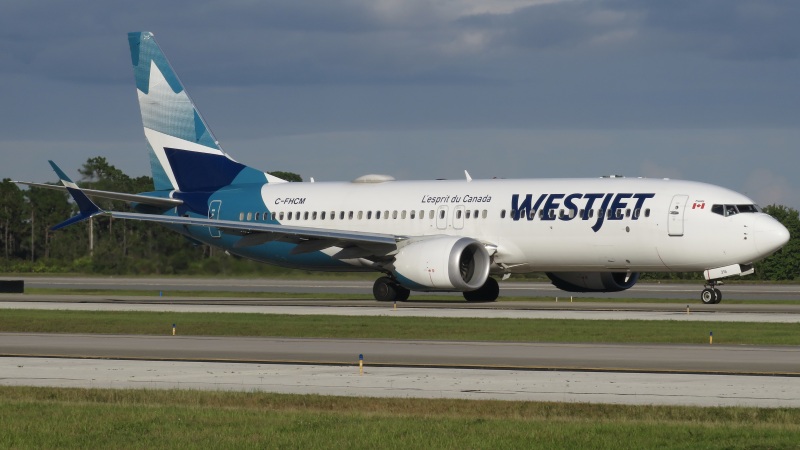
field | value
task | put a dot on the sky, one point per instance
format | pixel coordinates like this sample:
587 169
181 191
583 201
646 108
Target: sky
705 90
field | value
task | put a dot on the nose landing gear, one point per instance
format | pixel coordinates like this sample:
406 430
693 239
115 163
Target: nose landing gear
711 295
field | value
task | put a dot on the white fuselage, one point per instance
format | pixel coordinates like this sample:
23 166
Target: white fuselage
534 225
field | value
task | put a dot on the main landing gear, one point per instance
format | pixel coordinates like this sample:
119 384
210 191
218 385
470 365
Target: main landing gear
711 294
486 293
386 289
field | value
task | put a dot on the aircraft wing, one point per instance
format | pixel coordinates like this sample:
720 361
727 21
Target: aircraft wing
269 231
354 244
131 198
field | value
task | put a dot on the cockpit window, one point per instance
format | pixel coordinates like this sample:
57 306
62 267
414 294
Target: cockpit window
730 210
748 208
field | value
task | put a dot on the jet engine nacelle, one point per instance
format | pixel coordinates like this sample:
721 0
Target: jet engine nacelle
442 263
593 281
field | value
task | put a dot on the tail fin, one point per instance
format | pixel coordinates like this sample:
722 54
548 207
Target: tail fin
184 155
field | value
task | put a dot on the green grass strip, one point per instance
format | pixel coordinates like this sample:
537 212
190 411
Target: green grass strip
320 326
93 418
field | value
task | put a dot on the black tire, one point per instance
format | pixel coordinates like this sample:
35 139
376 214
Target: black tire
486 293
718 295
384 290
708 296
402 293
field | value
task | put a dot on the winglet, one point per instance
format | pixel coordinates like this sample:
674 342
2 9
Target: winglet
87 207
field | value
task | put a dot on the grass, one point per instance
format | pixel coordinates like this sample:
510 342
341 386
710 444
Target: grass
96 418
320 326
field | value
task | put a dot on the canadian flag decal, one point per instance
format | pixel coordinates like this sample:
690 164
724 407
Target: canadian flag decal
698 205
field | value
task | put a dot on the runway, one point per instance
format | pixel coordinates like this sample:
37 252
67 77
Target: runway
706 359
683 291
366 308
407 382
702 375
623 374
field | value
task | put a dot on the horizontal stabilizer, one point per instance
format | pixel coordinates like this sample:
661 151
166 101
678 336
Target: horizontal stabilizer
86 207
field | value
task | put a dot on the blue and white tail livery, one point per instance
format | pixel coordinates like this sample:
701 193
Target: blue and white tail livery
184 155
588 235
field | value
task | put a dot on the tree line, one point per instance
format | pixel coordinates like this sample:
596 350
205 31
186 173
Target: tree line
108 246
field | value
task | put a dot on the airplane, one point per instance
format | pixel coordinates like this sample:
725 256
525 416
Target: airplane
586 235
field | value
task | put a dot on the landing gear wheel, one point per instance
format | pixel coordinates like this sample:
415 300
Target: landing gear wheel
402 293
384 290
718 295
486 293
708 296
387 290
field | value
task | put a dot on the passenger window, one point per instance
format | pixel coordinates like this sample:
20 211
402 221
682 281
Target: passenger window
369 215
333 215
466 214
483 214
360 215
281 216
241 216
394 214
341 215
441 214
403 214
322 215
502 213
647 212
628 212
314 215
385 215
249 216
350 215
636 213
430 214
305 216
413 213
258 216
458 214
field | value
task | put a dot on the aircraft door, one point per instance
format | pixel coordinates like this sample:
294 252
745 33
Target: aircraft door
458 217
213 214
441 217
675 220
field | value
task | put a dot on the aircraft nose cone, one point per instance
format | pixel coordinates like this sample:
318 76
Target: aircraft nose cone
771 235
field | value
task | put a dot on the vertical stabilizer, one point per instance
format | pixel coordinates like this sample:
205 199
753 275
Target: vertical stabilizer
184 155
